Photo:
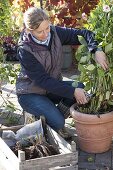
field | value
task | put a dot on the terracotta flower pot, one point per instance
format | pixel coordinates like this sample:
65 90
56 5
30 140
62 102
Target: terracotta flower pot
94 133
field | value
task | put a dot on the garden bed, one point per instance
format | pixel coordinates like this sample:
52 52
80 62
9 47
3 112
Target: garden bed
67 158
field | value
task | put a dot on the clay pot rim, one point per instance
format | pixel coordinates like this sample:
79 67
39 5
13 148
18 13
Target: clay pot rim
90 119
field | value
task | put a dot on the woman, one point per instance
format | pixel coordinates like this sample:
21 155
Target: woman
39 85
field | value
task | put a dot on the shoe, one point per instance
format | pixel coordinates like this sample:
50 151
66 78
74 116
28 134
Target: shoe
64 134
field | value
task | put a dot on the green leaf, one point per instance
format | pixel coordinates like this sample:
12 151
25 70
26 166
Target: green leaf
100 98
92 15
83 59
110 103
81 68
90 67
112 80
87 86
108 48
82 40
107 95
101 72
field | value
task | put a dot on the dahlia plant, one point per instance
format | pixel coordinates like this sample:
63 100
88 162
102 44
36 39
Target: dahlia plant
96 80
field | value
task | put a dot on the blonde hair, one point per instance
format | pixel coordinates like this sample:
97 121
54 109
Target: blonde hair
33 17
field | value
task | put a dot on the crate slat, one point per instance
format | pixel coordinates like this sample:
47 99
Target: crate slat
71 167
48 162
9 155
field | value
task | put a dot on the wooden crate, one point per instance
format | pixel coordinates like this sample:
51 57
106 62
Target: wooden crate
66 160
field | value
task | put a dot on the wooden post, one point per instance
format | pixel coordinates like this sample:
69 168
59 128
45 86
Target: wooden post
73 146
21 155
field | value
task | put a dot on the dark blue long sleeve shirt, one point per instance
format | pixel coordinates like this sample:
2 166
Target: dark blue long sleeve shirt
35 71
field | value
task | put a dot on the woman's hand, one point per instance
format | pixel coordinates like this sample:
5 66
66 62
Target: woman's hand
80 96
100 58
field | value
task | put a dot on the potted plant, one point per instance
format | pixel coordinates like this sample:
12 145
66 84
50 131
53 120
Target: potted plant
95 127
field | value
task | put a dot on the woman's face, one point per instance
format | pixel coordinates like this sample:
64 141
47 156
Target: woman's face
42 32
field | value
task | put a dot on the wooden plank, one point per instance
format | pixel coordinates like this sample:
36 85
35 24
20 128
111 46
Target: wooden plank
71 167
57 168
21 155
58 141
9 155
13 128
48 162
5 164
66 168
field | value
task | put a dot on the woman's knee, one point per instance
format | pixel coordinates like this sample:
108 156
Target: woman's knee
57 123
60 124
54 118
